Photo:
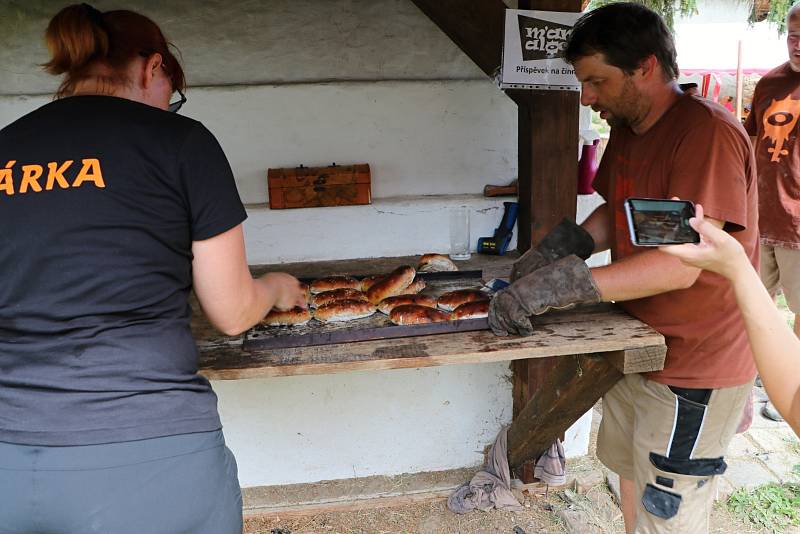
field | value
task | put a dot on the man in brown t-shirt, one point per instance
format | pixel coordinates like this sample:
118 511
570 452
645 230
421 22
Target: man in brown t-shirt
773 123
664 433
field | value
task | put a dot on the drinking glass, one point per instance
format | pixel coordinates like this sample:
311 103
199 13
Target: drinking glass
459 233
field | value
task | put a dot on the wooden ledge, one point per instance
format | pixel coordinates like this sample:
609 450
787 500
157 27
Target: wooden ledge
598 329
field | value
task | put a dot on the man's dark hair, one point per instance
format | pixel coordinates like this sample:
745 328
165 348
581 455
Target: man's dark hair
626 34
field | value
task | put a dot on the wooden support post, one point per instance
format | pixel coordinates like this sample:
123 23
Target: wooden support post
547 160
547 123
547 156
572 387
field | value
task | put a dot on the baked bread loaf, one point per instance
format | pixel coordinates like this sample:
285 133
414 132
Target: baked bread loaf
472 310
387 305
306 291
326 297
452 300
343 310
416 314
394 284
414 287
431 263
334 282
370 281
293 317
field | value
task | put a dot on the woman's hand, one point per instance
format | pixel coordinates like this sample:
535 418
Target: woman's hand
286 289
717 251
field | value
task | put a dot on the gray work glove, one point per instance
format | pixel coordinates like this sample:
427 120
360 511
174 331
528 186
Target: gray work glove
565 239
559 285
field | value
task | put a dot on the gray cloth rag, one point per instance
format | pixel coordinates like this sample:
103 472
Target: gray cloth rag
551 467
490 487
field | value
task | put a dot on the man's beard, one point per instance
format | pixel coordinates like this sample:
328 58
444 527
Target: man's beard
628 109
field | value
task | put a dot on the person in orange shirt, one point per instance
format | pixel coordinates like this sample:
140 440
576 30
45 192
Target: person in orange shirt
665 433
772 124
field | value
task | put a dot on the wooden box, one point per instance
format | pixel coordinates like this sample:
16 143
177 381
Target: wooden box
308 187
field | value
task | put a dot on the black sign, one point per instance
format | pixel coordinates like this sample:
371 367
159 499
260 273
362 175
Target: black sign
542 39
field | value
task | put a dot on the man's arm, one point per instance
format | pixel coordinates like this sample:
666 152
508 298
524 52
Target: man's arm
644 275
598 225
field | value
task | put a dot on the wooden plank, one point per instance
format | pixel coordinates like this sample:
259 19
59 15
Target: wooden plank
257 340
570 390
595 329
475 26
643 360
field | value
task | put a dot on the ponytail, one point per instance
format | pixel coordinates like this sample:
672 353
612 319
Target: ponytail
80 36
75 36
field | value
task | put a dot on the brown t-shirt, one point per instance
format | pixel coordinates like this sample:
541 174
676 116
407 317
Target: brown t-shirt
773 121
696 151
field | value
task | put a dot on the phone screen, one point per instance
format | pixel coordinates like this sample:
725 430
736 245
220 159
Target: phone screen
654 222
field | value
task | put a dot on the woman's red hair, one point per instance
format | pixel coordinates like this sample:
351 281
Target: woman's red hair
80 36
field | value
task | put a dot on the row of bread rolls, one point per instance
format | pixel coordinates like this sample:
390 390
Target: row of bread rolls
346 304
402 314
344 298
341 298
406 314
335 311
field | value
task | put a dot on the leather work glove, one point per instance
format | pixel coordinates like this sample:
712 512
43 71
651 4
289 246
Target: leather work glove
559 285
565 239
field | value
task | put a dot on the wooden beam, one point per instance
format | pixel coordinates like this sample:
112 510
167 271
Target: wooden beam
572 387
475 26
547 161
547 123
547 151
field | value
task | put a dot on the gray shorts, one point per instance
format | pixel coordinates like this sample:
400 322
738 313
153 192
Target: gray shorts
175 484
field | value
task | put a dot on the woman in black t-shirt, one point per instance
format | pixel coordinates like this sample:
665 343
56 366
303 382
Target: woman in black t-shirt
119 209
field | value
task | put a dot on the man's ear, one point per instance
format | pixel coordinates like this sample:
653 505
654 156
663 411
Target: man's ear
648 66
151 66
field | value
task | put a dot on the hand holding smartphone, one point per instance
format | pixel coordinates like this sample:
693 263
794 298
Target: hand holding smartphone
654 222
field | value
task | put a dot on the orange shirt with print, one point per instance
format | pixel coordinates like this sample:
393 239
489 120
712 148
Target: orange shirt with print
774 123
696 151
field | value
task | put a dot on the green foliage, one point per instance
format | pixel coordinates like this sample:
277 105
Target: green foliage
599 124
783 307
666 8
778 9
772 506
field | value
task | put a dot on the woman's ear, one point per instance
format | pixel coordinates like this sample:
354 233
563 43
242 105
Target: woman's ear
151 67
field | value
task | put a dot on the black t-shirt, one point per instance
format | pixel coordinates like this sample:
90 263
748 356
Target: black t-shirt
100 200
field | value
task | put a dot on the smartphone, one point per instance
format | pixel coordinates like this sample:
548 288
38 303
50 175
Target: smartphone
653 222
